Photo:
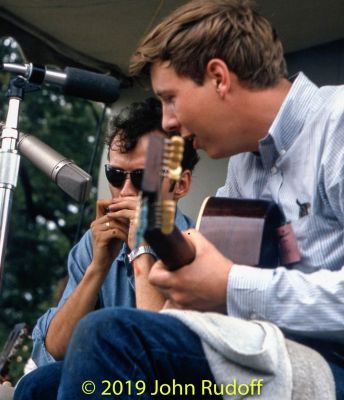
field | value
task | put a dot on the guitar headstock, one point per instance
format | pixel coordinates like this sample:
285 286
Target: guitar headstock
11 348
157 206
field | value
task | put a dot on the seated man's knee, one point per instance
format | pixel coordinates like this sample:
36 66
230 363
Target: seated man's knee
101 323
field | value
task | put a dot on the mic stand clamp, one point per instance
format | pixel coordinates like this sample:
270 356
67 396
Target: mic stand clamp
9 158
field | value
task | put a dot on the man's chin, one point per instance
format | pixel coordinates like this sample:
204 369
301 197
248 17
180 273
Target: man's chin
211 151
214 153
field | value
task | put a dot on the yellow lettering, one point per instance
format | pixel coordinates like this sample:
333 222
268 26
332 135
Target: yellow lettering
187 386
168 389
232 386
245 387
206 385
156 388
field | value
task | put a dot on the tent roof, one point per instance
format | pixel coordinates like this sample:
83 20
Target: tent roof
102 34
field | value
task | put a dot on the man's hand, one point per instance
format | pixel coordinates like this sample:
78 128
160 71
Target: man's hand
201 285
113 228
123 210
107 234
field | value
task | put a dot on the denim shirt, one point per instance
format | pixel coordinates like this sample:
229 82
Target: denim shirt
117 289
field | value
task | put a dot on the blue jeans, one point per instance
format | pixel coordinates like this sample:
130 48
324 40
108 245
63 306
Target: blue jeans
42 383
338 374
131 354
128 354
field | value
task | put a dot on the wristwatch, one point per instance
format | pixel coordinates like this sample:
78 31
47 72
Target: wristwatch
141 250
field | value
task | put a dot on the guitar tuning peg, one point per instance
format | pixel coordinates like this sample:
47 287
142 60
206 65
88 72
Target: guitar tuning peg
174 156
174 173
18 342
177 141
168 214
19 359
157 214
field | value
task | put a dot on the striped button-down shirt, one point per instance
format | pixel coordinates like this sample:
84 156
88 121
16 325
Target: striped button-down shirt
300 161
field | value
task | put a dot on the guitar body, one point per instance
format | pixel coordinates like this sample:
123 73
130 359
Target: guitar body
244 230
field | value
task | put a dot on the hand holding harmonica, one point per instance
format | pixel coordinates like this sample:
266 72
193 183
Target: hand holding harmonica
114 224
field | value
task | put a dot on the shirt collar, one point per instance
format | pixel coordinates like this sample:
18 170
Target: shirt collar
289 121
182 221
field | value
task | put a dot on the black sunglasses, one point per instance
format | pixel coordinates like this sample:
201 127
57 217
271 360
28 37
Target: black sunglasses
117 176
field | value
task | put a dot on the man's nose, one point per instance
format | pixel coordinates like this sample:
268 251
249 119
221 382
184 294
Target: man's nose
128 189
170 122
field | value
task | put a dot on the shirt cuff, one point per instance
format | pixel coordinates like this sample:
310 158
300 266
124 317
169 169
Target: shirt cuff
40 354
248 292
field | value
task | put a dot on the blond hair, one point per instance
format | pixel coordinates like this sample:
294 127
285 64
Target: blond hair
204 29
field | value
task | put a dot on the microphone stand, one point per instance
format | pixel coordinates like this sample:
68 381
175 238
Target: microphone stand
10 159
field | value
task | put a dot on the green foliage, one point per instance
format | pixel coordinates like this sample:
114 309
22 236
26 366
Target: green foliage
43 220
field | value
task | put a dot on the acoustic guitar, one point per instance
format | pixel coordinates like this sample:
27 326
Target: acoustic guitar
251 232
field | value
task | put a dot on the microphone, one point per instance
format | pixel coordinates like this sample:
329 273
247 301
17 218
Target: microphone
74 81
65 173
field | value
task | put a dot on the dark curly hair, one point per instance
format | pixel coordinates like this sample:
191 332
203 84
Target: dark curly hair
139 119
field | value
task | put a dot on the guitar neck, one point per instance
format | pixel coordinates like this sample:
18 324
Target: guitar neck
11 347
173 249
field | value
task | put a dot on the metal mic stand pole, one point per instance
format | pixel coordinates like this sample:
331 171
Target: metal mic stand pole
9 161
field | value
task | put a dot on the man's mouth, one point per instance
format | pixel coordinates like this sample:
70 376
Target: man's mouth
191 139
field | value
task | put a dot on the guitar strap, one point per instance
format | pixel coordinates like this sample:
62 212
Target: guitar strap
288 247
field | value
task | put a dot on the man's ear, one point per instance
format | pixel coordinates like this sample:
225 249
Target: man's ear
219 75
182 186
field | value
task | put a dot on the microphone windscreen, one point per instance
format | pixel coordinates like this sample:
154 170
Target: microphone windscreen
91 85
75 182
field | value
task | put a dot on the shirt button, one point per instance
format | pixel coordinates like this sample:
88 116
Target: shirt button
273 170
282 152
253 316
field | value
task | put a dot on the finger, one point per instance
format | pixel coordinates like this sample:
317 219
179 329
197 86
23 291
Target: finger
124 203
198 240
169 304
111 229
159 276
102 207
119 234
116 222
114 233
122 214
192 234
99 221
106 225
